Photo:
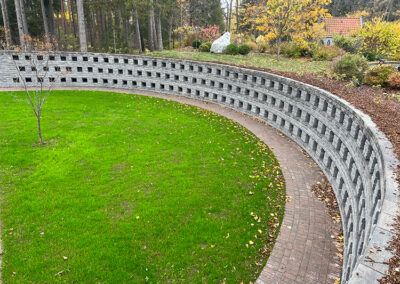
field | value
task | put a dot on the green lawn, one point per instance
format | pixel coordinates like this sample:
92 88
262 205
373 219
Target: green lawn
253 59
133 189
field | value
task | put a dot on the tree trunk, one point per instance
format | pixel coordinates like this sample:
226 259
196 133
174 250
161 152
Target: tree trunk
20 24
72 15
279 46
6 21
39 130
150 26
50 10
62 6
101 26
159 30
237 16
125 25
81 25
23 16
230 16
45 23
90 22
169 31
117 23
137 30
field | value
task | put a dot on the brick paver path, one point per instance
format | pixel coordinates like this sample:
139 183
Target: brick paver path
304 251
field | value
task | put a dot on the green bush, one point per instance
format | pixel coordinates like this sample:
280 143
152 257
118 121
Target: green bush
347 43
297 50
196 43
291 50
351 66
244 49
205 47
379 75
327 53
371 55
232 49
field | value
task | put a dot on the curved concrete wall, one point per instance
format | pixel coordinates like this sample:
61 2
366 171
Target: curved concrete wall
356 158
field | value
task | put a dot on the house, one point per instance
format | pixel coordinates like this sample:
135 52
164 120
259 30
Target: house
341 26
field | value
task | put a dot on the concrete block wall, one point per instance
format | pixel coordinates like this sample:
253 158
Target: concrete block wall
356 158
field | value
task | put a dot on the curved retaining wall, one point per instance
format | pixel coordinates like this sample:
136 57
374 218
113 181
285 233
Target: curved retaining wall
356 158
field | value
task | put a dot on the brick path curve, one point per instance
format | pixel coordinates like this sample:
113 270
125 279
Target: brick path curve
304 251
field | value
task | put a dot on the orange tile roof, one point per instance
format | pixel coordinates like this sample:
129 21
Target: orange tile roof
341 25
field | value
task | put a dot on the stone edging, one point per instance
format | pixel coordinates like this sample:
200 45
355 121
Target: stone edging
354 155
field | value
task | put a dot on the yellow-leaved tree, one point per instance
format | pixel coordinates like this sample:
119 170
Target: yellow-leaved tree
278 19
381 37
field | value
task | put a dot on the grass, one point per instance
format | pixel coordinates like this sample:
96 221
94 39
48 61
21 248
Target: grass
132 189
299 66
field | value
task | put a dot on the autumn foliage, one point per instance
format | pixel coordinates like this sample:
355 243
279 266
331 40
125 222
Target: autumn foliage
279 19
381 37
210 33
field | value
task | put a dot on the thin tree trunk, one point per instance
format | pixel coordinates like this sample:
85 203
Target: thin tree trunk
39 130
237 16
142 43
51 18
159 29
71 17
150 28
6 22
23 16
45 22
181 24
169 31
20 24
230 16
125 25
81 25
63 30
117 23
89 20
101 26
279 46
154 31
62 5
137 30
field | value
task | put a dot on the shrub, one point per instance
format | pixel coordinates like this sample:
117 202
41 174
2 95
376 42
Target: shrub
252 45
232 49
371 55
327 53
210 33
205 47
244 49
347 43
394 80
298 49
189 38
395 57
351 66
291 50
379 75
381 37
262 44
196 43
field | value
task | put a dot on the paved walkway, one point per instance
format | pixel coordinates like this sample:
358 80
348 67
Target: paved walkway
304 251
